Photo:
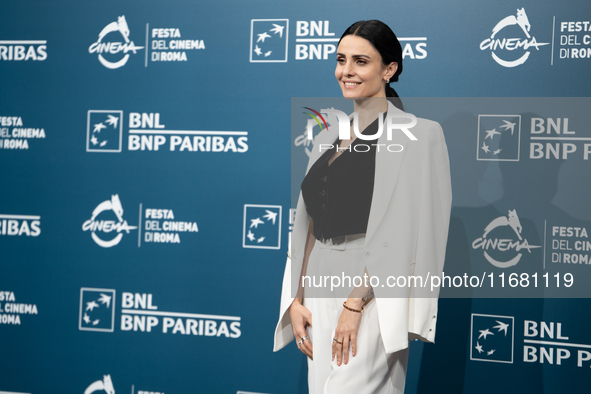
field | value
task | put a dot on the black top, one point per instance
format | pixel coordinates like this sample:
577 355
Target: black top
338 196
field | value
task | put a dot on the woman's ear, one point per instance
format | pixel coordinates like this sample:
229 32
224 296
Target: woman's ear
391 70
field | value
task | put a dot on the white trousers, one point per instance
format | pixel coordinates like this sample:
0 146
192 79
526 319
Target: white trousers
371 370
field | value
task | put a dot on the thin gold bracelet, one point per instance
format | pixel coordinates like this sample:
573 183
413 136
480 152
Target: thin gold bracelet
351 309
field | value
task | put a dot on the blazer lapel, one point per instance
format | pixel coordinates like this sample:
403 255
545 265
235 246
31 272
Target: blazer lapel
326 136
388 166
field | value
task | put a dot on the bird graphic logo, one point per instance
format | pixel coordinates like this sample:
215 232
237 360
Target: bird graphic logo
262 226
97 309
268 40
492 338
498 137
104 131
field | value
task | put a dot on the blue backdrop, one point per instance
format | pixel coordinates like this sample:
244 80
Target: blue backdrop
139 141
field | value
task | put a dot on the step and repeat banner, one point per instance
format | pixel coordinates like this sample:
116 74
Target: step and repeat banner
145 212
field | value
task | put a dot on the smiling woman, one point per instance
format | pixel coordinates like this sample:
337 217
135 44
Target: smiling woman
369 57
359 70
358 215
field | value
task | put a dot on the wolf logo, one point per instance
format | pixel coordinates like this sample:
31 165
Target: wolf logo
101 385
120 25
520 19
114 204
511 220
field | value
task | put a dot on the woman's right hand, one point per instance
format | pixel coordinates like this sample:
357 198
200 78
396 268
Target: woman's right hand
300 319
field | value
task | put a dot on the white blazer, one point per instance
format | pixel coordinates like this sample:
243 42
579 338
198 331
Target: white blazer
406 233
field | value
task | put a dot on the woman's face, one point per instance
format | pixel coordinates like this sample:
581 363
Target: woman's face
360 70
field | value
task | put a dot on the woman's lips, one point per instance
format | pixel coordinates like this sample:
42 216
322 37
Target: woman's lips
351 84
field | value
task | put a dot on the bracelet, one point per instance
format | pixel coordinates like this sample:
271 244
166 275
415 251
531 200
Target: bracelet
351 309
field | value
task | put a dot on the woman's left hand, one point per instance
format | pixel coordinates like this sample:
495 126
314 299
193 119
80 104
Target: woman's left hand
346 333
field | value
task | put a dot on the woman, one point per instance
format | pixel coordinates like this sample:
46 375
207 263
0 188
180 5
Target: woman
387 215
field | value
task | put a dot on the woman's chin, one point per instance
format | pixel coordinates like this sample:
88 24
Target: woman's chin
350 95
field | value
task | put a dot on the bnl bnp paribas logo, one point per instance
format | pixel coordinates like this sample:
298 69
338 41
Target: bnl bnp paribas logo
502 243
499 137
113 46
106 225
510 43
146 132
261 227
314 40
494 338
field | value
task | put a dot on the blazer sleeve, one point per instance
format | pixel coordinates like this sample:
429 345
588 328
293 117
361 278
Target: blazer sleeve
283 330
434 216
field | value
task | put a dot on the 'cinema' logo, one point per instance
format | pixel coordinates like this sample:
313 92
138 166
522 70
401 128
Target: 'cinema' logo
506 242
507 45
104 227
108 50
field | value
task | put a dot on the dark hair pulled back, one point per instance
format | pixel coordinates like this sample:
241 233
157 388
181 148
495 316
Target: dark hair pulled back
386 43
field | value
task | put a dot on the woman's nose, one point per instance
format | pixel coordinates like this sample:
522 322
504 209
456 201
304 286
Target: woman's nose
348 70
